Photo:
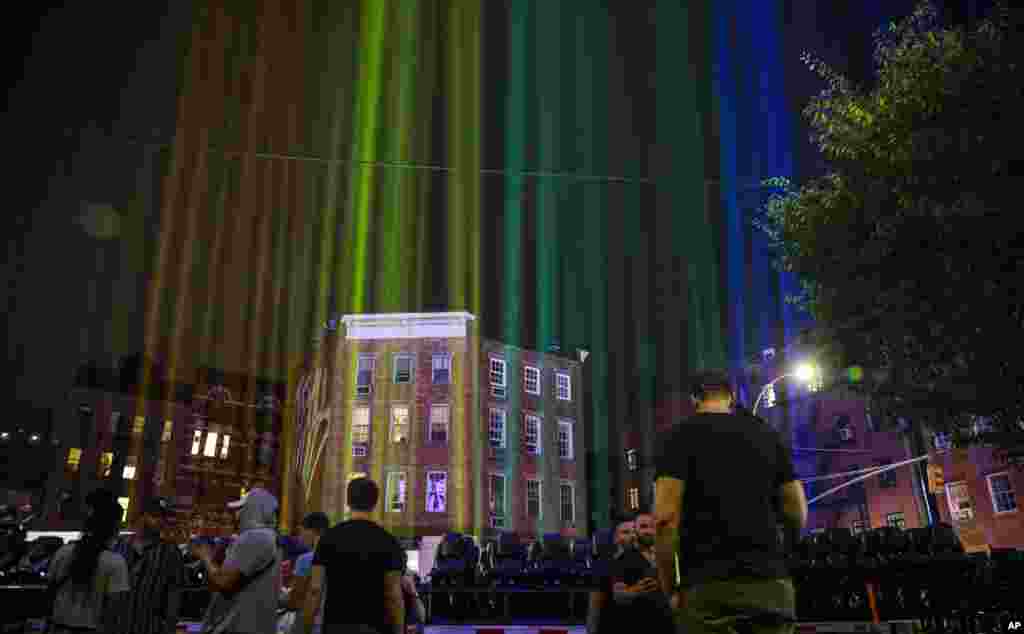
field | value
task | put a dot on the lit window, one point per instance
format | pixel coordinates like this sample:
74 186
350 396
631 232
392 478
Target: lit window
564 384
533 493
403 368
958 497
439 415
128 473
943 440
565 449
400 423
496 430
634 498
139 425
531 380
74 458
895 520
125 503
497 494
498 372
437 491
567 498
396 492
769 395
858 526
360 426
441 369
224 447
364 375
632 460
197 441
168 431
210 449
1004 498
106 459
533 443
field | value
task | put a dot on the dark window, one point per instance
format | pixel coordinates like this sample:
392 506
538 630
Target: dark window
887 479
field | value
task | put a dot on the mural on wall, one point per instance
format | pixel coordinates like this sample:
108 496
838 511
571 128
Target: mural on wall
312 427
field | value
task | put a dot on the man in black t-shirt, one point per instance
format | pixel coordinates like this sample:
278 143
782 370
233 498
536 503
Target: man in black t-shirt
724 482
363 565
634 583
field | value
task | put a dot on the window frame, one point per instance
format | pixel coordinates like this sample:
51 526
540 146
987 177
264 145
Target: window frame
504 428
901 522
572 502
571 448
953 512
527 371
365 443
539 438
633 498
540 498
372 361
493 508
560 374
444 499
1011 491
447 423
396 478
403 356
447 358
393 423
491 372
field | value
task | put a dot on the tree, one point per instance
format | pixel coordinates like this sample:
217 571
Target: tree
910 249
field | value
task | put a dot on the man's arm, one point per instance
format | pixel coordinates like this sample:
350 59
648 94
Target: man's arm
175 583
115 612
626 594
598 600
314 591
793 505
668 511
393 600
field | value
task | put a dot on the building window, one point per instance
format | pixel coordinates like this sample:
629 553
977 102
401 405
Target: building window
125 503
168 431
858 526
632 459
364 375
396 491
895 520
563 383
533 443
498 378
958 497
128 472
497 494
106 459
943 440
886 479
210 449
74 459
197 441
1004 498
533 498
403 368
442 369
400 423
531 380
437 495
139 425
496 429
844 430
224 445
567 498
360 430
634 498
115 421
565 440
439 415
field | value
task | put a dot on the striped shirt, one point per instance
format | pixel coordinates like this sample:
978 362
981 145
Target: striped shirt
155 569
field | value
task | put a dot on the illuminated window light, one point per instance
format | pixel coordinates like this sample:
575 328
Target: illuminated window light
129 472
197 441
125 503
168 431
769 396
224 447
74 458
106 459
210 450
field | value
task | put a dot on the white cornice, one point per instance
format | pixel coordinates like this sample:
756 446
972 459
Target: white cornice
407 325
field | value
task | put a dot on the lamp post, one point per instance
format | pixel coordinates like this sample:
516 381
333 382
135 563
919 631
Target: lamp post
805 373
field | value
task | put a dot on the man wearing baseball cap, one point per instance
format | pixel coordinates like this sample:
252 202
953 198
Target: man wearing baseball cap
246 585
157 572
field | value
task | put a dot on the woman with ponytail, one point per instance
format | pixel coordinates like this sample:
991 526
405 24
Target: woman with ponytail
88 581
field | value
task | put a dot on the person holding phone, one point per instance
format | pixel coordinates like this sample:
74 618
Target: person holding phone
638 595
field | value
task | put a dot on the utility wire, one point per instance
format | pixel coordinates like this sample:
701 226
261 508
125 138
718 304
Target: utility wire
874 472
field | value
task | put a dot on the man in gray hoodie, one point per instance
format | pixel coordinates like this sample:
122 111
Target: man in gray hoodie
245 586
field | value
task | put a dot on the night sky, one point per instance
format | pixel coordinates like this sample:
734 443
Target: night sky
93 94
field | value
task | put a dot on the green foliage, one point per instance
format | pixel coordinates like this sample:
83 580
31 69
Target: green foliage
910 248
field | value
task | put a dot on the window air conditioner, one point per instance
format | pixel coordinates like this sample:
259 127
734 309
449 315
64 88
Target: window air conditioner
359 451
364 390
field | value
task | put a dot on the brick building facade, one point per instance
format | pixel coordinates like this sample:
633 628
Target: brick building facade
201 444
461 433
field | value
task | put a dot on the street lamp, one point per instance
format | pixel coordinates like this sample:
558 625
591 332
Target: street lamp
805 373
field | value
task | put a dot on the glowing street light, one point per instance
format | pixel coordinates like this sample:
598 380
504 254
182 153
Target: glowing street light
805 373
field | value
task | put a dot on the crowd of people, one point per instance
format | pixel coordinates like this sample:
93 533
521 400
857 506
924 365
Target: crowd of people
708 559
